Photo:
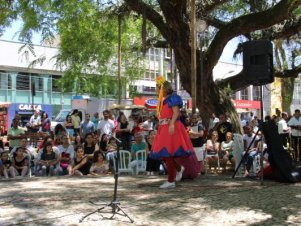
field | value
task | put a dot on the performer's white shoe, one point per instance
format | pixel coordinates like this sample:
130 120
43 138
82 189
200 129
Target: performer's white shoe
180 173
167 184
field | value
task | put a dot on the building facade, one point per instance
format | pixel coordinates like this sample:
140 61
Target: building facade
25 86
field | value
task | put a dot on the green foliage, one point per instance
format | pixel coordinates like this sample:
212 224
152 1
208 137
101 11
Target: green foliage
87 32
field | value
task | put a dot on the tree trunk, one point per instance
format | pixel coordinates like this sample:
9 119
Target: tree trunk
287 90
214 100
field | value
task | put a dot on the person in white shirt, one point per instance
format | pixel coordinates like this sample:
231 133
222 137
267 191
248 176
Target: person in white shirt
35 122
105 126
283 129
212 122
295 124
147 126
250 147
66 156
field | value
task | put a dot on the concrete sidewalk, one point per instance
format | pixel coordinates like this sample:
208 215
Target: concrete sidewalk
208 200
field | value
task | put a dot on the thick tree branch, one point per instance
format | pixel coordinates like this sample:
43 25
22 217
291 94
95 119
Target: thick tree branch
292 73
237 82
246 24
214 22
207 6
153 16
289 29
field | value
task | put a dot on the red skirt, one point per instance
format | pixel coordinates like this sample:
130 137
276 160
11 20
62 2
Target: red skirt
175 145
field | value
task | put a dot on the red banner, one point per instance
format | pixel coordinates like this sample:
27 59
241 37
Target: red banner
252 104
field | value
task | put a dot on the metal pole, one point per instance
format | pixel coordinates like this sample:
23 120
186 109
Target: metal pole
193 56
119 58
201 67
261 146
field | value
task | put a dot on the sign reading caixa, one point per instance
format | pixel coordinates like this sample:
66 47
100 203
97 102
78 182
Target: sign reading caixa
151 102
28 107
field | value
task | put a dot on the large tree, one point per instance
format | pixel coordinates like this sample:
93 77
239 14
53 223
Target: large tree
227 19
253 19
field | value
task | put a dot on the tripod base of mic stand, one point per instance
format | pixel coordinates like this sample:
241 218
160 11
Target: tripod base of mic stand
116 209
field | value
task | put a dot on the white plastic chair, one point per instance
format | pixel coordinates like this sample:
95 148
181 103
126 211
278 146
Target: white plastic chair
238 148
124 162
206 155
141 161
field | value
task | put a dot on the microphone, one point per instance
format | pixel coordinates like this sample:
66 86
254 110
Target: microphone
111 135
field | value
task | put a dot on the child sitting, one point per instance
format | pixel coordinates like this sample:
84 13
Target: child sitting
19 163
111 152
99 166
6 168
48 161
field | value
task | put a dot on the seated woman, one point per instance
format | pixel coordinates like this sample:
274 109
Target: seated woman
59 131
152 165
20 163
99 165
90 146
6 168
111 152
212 150
227 150
47 162
81 165
77 141
251 142
104 143
138 145
66 154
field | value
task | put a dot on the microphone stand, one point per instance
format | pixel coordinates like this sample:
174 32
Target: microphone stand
114 204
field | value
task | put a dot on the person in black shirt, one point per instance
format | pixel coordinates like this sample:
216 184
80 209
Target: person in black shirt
89 146
222 127
81 166
123 133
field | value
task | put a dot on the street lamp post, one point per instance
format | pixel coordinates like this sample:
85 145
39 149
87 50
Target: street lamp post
193 56
119 59
201 26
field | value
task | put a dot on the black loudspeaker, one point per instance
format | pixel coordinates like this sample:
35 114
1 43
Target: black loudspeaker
258 66
280 160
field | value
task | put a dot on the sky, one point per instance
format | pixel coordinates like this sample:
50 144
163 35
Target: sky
11 34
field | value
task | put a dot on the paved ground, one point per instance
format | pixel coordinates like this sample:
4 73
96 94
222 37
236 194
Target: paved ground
208 200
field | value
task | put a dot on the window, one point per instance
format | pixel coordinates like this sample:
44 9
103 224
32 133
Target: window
167 53
297 91
153 54
38 81
233 96
52 83
23 81
244 94
149 90
5 81
150 75
256 92
9 82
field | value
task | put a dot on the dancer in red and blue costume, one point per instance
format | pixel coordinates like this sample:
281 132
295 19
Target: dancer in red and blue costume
171 141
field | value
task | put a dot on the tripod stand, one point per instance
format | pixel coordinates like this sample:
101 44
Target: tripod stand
114 204
253 140
246 153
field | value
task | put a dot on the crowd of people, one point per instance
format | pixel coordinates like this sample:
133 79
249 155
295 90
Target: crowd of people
88 147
